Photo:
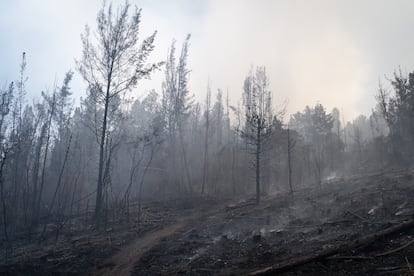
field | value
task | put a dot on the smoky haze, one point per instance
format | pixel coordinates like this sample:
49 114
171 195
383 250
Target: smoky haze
332 52
206 137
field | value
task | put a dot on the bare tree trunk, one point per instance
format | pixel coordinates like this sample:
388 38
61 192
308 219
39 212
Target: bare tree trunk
132 173
72 201
57 185
17 129
318 160
233 165
184 154
205 167
289 161
49 126
26 199
16 178
258 152
98 205
35 177
3 199
106 179
141 184
174 162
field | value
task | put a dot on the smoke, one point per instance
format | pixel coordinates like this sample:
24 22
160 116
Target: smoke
308 56
332 52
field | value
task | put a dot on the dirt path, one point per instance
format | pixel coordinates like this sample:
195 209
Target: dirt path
122 263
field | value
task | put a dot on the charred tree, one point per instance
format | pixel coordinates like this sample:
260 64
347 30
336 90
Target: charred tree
258 119
176 106
112 66
6 98
290 145
207 118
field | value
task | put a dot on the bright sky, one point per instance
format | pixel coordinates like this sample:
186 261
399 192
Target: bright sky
332 52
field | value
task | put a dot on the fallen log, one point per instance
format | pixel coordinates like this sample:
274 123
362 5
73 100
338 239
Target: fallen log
358 216
240 205
395 250
359 243
350 258
390 268
409 266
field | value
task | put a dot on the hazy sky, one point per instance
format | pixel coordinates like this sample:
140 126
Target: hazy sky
332 52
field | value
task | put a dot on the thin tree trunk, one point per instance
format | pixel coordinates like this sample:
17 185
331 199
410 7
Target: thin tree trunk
72 201
57 185
98 205
16 178
134 167
233 165
187 170
61 173
141 184
26 198
258 152
205 167
49 125
35 177
289 161
3 199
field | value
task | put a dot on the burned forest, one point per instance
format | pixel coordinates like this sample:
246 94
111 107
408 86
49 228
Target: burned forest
207 138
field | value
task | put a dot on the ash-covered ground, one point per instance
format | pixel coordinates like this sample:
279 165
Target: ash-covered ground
201 236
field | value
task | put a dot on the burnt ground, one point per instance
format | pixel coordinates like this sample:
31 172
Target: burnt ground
245 237
238 237
83 249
